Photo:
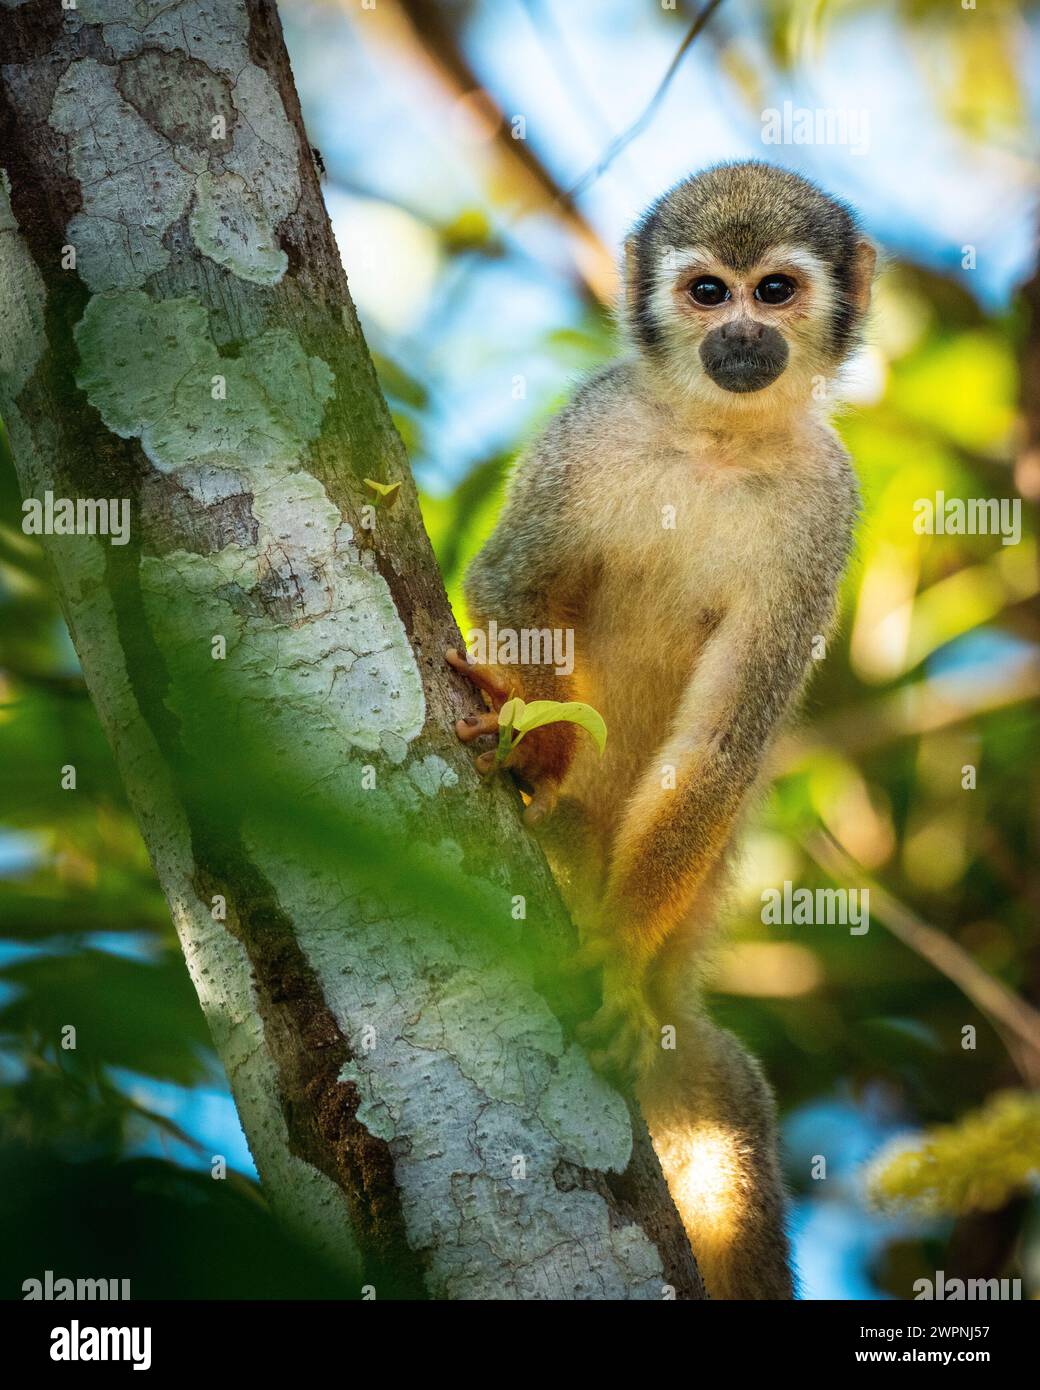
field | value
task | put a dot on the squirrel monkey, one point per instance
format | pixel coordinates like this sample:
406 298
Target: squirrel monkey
688 515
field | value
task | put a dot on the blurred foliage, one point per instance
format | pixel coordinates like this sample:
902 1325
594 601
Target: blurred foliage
979 1164
929 674
178 1233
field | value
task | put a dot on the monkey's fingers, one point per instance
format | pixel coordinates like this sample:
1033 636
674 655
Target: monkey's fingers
612 1038
604 1025
475 726
486 678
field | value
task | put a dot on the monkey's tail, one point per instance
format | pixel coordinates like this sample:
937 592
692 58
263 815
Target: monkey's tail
713 1122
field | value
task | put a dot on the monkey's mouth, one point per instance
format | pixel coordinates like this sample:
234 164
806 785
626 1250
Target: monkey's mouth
741 366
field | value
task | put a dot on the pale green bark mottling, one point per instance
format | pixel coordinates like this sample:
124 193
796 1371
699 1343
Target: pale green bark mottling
308 1201
468 1076
114 250
149 368
233 227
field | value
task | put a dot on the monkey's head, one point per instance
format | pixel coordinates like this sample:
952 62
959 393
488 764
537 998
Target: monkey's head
746 285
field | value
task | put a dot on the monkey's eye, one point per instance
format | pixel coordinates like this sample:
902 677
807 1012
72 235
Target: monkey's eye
775 289
708 290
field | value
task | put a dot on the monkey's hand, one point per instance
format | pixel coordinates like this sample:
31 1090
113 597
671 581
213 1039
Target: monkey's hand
622 1036
539 761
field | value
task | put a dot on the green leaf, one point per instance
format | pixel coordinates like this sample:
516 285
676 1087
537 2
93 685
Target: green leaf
506 715
540 712
511 711
387 492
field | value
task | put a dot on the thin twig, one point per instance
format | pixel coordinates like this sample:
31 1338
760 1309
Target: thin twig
639 124
1008 1013
421 28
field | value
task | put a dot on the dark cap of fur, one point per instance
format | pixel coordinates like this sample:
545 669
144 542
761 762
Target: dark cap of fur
739 211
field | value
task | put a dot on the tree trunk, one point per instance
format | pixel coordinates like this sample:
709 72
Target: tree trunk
362 922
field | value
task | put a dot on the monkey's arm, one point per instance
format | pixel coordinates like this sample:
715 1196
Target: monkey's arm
528 579
675 828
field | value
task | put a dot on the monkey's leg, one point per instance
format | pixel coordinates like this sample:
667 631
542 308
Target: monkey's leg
713 1122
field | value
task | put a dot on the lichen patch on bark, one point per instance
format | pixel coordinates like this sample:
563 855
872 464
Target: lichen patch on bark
178 119
119 162
211 31
311 627
233 227
431 775
153 371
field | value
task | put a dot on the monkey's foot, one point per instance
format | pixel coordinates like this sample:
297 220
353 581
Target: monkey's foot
622 1037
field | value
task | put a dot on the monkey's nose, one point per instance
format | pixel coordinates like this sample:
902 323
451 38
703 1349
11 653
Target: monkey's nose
742 334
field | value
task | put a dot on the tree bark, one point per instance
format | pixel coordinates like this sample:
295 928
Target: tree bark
363 924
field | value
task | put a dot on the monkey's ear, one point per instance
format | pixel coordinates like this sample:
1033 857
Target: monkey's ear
864 261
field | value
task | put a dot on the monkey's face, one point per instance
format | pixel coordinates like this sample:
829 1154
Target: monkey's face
746 286
758 330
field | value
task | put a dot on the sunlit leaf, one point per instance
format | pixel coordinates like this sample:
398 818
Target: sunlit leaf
540 712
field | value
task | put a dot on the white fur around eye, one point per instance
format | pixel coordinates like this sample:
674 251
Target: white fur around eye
813 274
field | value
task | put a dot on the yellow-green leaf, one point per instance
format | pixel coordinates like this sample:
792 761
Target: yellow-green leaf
510 712
540 712
387 491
